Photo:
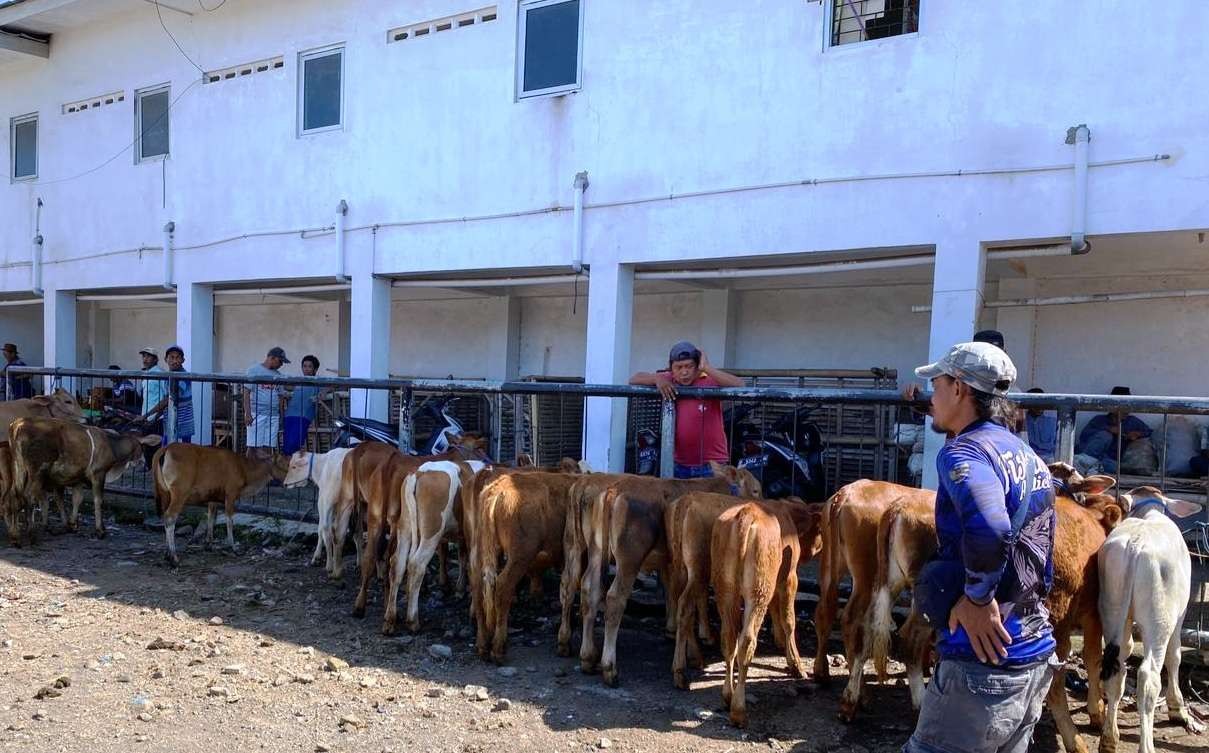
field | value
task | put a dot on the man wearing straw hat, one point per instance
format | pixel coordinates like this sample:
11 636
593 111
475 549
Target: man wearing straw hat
18 386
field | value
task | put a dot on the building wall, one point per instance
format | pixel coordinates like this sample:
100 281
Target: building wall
22 326
246 332
131 329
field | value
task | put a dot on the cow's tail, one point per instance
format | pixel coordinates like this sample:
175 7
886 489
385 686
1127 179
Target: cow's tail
489 552
881 617
1115 604
21 476
157 477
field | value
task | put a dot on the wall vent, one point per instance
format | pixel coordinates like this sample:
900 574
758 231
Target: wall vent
438 25
241 71
94 103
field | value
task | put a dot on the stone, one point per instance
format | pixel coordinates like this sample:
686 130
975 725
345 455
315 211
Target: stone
180 614
215 620
62 681
234 669
40 715
321 748
705 714
92 665
348 720
30 657
47 691
157 674
435 692
502 704
368 682
162 644
604 743
307 650
145 717
440 651
280 680
506 671
218 691
334 664
123 678
475 692
305 679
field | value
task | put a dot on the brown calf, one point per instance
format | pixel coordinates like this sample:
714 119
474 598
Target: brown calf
755 551
521 517
7 498
187 474
625 523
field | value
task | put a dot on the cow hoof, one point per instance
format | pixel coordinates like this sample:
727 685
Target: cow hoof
679 680
589 666
796 671
610 677
563 650
413 626
359 612
738 720
498 658
1107 746
847 711
388 628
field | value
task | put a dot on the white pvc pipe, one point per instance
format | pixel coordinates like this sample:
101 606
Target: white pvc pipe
1067 300
341 220
921 260
577 243
23 302
35 270
169 231
284 291
128 297
1078 234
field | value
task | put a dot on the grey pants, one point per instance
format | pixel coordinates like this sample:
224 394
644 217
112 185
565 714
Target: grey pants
971 707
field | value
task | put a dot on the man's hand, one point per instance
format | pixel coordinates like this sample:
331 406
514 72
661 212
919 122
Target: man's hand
1133 436
911 391
704 360
987 634
665 385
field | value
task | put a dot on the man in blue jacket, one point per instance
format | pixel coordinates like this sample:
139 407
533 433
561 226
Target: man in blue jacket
997 648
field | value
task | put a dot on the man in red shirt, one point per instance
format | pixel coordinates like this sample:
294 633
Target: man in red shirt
700 435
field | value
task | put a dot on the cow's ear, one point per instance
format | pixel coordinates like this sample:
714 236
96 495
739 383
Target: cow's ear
1096 484
1112 515
1181 508
728 472
42 400
151 440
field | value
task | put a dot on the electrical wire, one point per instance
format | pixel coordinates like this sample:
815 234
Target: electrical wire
164 26
211 10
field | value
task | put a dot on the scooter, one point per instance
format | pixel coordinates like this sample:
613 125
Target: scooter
355 430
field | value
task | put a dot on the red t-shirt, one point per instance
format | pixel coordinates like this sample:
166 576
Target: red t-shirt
700 435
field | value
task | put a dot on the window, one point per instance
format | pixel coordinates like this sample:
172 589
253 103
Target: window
320 90
862 20
23 135
549 47
151 120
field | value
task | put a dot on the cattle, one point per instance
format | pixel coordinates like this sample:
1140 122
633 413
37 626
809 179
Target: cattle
186 474
754 556
625 523
326 470
907 539
690 521
51 455
520 518
7 499
1145 574
58 404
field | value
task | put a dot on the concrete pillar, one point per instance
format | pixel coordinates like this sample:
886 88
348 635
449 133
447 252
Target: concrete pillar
59 332
610 314
195 335
718 313
504 344
1018 326
369 343
344 319
957 296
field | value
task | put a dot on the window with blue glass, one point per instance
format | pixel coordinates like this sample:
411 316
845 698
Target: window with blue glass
550 46
321 90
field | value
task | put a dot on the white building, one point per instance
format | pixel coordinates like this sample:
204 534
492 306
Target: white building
715 136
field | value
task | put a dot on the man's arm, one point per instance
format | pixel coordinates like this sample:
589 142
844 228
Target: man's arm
724 379
247 405
1136 428
660 379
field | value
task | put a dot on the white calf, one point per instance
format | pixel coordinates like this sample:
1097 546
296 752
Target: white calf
1145 578
325 469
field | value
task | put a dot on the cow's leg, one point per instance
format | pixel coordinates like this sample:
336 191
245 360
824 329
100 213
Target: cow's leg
1056 700
745 652
324 509
666 577
830 572
77 499
730 611
851 697
917 649
615 603
787 589
686 640
398 570
170 512
1150 683
229 509
335 541
211 514
417 566
589 605
1176 710
67 522
1114 689
852 623
1093 659
567 585
369 565
704 631
460 586
442 553
517 565
98 496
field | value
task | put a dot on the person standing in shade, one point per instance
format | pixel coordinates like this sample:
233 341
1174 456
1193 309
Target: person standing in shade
262 403
700 434
1042 430
16 387
984 591
155 391
300 408
182 398
1103 436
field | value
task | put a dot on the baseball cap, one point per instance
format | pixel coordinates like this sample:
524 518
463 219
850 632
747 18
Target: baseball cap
992 336
983 366
278 352
10 347
149 351
177 348
683 351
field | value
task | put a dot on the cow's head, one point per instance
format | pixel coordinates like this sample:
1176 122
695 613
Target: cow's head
299 470
569 465
524 460
129 453
1075 485
1136 500
60 404
742 482
807 518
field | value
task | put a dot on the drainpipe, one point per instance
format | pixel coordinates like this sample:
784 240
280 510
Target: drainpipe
1080 136
35 262
169 240
577 245
341 217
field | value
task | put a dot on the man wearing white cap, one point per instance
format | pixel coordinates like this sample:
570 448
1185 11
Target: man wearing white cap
153 390
984 591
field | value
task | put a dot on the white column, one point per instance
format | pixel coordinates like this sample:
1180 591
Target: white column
59 331
610 314
344 320
504 343
195 336
956 305
718 311
1018 325
369 343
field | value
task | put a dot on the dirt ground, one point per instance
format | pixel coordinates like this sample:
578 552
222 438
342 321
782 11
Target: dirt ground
259 652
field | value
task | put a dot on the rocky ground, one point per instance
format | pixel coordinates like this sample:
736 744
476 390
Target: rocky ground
107 649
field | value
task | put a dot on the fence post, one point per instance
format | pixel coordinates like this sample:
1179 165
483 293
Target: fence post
667 439
518 425
405 428
170 413
1066 436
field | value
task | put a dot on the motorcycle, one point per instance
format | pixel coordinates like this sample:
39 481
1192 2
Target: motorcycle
351 429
